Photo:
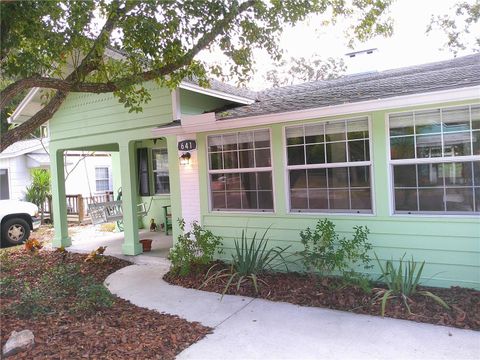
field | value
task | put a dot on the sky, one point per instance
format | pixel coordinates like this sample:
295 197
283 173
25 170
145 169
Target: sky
409 44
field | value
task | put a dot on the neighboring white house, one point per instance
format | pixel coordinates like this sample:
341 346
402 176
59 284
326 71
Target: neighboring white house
87 173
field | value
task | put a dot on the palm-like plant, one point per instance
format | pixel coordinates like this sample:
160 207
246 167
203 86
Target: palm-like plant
251 258
402 282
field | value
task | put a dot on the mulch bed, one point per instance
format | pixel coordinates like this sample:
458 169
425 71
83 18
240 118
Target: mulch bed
122 331
332 293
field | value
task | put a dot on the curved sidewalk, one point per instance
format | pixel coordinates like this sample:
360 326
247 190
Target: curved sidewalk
247 328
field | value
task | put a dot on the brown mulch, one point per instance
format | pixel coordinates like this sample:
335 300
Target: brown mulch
122 331
332 293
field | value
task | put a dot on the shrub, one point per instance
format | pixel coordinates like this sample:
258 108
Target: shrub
402 282
250 259
62 280
195 247
9 286
326 252
93 297
32 302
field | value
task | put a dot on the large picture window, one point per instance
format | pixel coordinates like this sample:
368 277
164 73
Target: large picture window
160 171
435 160
329 166
240 171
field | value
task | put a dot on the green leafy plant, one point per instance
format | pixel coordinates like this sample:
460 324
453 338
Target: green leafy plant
32 302
326 252
62 280
93 297
195 247
251 258
402 282
9 286
39 190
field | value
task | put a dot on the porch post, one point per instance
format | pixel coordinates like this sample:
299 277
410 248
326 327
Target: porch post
128 175
59 203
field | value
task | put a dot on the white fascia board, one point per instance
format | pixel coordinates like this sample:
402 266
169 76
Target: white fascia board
26 100
25 151
219 94
462 94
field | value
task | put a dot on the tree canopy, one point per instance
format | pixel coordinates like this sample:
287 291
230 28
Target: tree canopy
64 45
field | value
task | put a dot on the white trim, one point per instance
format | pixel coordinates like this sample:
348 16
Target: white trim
462 94
176 108
219 94
26 100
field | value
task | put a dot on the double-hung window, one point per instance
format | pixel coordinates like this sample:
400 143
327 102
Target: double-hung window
160 171
329 166
435 160
240 171
102 179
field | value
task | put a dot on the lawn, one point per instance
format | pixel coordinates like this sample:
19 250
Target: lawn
61 298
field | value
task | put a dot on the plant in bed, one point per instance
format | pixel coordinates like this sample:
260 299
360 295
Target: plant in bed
402 282
251 258
325 252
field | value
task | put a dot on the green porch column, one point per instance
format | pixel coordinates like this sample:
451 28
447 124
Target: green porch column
128 176
59 203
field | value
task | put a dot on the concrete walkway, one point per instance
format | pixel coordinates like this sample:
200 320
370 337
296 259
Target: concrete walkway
247 328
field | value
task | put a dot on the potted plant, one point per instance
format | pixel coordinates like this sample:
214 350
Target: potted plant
146 244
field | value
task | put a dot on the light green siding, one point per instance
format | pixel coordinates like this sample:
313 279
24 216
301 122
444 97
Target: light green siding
192 103
450 245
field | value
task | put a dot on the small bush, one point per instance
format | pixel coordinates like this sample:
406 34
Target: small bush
195 247
32 302
250 259
62 280
326 252
9 286
93 297
402 282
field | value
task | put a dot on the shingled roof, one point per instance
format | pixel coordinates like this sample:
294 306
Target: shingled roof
443 75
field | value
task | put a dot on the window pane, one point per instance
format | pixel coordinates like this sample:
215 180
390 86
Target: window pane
335 131
249 200
160 159
339 199
245 140
315 154
101 173
264 180
265 200
431 199
215 143
314 133
317 178
298 179
361 199
475 117
429 146
318 199
234 199
428 122
357 129
298 199
457 119
262 158
230 142
430 175
249 181
230 160
405 176
218 200
246 159
262 138
358 150
406 200
476 172
162 183
459 199
217 182
336 152
232 181
216 161
296 155
401 124
477 199
338 177
476 142
359 176
402 148
457 173
294 135
457 144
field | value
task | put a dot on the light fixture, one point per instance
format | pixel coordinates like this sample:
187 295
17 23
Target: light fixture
185 158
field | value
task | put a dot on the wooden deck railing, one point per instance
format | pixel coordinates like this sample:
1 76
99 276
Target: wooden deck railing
77 205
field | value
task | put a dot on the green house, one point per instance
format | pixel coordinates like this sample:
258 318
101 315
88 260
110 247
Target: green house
397 151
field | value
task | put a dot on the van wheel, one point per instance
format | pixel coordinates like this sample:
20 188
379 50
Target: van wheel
15 231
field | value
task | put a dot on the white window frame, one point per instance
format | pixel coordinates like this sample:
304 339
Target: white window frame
240 170
107 178
154 172
419 161
370 163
